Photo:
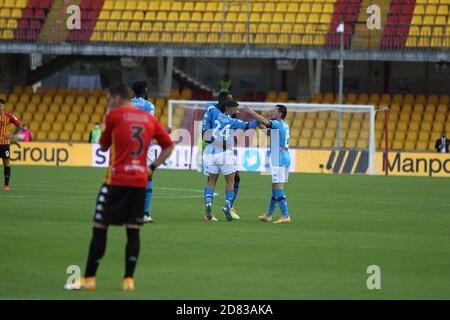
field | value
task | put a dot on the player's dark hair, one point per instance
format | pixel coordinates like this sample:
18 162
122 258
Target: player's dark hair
119 89
139 88
230 104
283 110
222 96
221 99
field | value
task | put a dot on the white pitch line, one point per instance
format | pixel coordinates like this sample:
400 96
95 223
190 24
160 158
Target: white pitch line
93 196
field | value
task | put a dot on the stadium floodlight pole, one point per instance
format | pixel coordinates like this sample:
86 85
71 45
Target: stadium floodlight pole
340 31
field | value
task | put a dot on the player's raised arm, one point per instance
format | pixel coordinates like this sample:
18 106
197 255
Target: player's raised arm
16 122
257 116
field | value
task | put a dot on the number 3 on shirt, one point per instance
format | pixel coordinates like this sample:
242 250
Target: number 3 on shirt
136 135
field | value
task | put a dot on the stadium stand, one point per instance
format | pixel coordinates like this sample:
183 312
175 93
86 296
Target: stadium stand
274 23
415 122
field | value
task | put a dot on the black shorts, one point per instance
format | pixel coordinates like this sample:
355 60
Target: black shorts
4 151
120 205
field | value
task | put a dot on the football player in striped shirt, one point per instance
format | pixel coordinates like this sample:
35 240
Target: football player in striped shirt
6 119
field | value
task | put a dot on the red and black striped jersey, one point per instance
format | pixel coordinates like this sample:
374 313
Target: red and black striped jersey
6 119
128 133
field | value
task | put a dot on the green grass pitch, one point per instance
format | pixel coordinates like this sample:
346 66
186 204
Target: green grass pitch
341 225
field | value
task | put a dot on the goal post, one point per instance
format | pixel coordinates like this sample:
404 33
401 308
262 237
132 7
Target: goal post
313 130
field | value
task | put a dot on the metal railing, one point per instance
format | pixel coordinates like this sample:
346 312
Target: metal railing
254 35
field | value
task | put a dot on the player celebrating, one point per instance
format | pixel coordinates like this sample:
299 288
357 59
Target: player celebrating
128 133
6 119
219 156
208 124
280 160
141 102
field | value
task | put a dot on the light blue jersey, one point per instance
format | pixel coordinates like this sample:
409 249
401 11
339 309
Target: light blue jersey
143 104
220 127
279 143
210 112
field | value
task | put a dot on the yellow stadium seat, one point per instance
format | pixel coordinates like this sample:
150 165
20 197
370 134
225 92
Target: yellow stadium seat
104 15
72 118
314 143
150 15
328 8
50 117
115 15
170 27
316 8
161 16
413 127
123 26
76 136
45 127
80 127
173 16
410 145
199 6
443 10
313 18
431 10
398 145
131 5
305 7
65 135
303 142
41 135
138 16
281 7
38 117
127 15
416 20
350 143
53 135
61 117
255 17
188 6
57 127
96 118
212 7
327 143
12 24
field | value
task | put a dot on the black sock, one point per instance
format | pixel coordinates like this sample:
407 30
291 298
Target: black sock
7 173
96 251
131 251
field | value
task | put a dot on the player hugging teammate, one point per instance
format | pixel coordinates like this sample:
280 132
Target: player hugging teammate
219 124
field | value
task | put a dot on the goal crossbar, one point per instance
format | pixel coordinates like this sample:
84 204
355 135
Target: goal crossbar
297 107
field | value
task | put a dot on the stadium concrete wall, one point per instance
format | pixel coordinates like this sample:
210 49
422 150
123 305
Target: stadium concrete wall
250 159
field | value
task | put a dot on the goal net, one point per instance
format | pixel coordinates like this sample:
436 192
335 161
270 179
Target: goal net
324 138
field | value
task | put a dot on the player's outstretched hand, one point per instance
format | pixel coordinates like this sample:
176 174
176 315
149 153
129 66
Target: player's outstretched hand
262 120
